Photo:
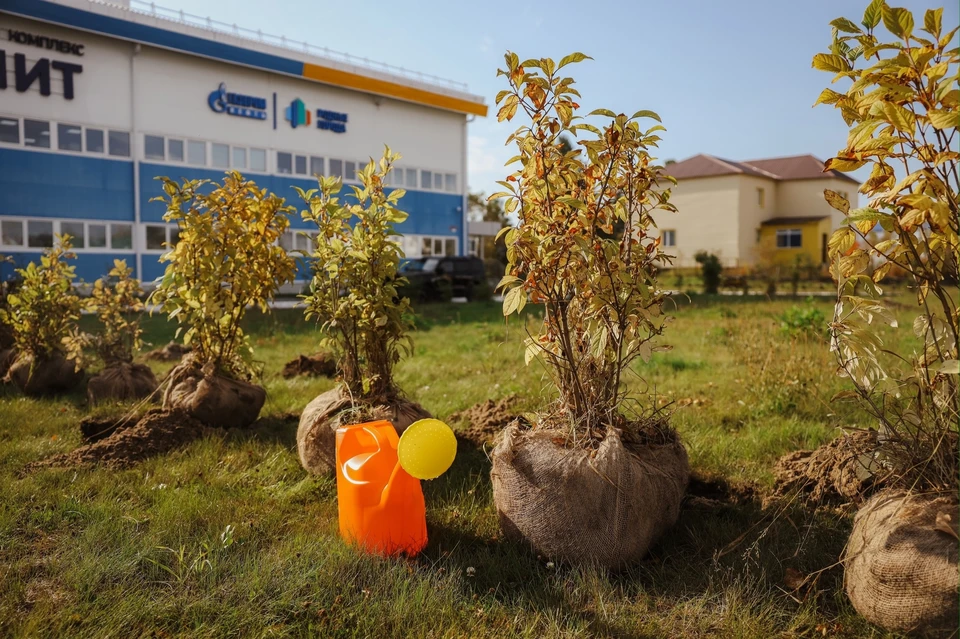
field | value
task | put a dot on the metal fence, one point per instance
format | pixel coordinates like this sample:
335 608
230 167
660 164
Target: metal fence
182 17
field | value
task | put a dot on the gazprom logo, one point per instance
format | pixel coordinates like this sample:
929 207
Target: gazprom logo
245 106
297 114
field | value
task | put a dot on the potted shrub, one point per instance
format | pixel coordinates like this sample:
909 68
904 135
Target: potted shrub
40 314
227 259
902 106
597 477
353 297
116 301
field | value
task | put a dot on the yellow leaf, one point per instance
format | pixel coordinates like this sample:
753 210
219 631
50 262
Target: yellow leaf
830 62
898 116
843 165
836 200
943 119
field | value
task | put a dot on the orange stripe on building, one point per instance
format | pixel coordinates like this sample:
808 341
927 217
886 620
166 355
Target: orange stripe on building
390 89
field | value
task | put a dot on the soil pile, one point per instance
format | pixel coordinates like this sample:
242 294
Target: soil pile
93 429
484 421
840 471
157 433
319 365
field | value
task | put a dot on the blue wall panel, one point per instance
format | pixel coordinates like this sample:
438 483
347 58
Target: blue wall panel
430 213
36 184
89 266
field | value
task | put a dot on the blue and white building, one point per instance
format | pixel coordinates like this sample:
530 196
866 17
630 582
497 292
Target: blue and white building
97 99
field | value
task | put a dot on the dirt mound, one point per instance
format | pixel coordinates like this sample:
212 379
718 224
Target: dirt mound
169 353
484 421
93 429
901 563
709 493
841 471
157 433
319 365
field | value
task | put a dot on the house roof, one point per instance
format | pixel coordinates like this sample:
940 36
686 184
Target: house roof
797 167
793 220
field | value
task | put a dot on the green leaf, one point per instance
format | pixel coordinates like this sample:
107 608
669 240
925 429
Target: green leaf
830 62
873 14
646 113
932 21
942 119
898 21
572 58
842 24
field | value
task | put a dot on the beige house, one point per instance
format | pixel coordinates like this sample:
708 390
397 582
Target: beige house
761 211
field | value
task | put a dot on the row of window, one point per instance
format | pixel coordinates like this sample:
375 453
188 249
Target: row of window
226 156
39 233
39 134
789 238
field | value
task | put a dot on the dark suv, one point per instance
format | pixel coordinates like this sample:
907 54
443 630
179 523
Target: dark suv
443 277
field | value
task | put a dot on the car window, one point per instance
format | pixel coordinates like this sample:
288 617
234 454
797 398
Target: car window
431 265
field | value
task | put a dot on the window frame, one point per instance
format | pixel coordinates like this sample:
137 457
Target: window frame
672 235
163 145
787 234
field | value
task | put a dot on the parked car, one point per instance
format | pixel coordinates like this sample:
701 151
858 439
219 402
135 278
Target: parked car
440 278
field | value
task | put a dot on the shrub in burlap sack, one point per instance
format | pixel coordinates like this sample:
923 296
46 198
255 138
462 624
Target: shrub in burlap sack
7 357
604 507
53 374
901 563
317 432
121 381
213 399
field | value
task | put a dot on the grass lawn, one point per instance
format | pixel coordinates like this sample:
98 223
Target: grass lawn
229 537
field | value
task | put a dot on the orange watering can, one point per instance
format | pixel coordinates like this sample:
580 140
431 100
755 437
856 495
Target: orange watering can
378 482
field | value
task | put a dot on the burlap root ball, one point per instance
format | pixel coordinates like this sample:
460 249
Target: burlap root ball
901 563
215 400
317 432
122 381
605 507
53 374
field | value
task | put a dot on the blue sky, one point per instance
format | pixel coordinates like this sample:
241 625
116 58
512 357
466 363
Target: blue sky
729 77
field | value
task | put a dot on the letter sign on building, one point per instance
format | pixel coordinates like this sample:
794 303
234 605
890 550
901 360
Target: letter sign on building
39 72
245 106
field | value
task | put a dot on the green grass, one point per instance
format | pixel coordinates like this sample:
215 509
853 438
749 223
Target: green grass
145 552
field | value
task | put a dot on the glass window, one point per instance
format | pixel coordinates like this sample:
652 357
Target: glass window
286 241
349 170
789 238
36 133
450 247
438 181
451 182
239 157
118 143
426 179
395 177
220 156
11 233
174 235
74 230
156 236
9 130
94 141
197 152
301 165
284 162
153 147
316 165
121 236
39 234
427 248
258 159
97 236
69 137
336 168
175 150
668 238
411 178
760 198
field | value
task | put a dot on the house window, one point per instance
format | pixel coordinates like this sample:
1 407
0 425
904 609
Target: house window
197 152
336 168
9 131
69 137
121 236
258 159
284 162
316 165
118 143
153 147
220 155
760 197
411 178
74 230
39 234
351 170
450 247
426 179
175 150
97 236
474 246
239 157
11 233
451 182
789 238
94 141
156 236
668 238
301 165
36 133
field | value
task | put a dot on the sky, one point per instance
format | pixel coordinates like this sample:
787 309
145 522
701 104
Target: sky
731 78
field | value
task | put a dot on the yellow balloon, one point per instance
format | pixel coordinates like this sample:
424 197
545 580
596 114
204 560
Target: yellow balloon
427 449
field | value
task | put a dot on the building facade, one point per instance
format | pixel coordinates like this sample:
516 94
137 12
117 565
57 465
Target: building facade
97 100
748 213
